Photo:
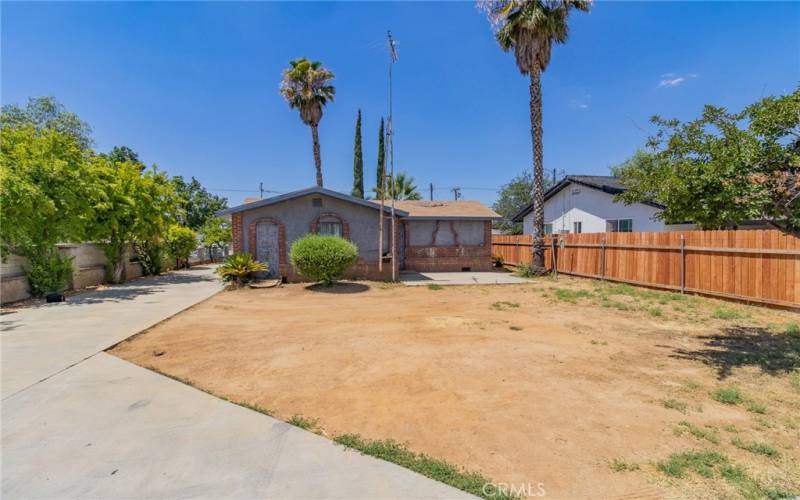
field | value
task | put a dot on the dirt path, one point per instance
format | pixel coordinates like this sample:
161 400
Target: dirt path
517 382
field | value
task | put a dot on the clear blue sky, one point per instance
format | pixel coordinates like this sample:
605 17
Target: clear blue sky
193 87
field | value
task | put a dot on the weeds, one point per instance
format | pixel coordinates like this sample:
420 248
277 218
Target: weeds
597 342
727 314
515 328
794 379
504 305
434 286
728 396
302 422
675 404
756 447
655 311
619 465
792 329
730 428
755 406
697 432
570 296
440 470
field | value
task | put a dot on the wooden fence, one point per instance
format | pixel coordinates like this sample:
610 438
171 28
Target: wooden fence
759 265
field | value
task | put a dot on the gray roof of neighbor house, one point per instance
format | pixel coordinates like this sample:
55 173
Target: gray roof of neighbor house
445 210
606 183
304 192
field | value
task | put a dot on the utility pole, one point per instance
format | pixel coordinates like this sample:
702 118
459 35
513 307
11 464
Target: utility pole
261 189
554 177
431 191
390 137
456 193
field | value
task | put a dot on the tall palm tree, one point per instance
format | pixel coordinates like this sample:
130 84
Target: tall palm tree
306 86
530 28
402 187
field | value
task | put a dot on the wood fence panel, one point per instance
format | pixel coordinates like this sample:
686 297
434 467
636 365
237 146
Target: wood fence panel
762 265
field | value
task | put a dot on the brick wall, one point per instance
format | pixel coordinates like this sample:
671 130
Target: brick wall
450 258
237 232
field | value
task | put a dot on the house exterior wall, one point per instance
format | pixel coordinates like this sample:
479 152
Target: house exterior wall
297 217
593 208
445 245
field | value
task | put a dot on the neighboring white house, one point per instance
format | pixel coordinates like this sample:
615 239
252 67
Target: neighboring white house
585 204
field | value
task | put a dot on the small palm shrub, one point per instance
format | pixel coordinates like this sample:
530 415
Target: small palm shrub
323 258
240 268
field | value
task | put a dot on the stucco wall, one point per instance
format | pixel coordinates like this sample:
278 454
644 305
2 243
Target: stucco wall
298 214
592 207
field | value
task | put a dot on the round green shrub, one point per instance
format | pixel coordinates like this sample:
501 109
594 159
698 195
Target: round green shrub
322 258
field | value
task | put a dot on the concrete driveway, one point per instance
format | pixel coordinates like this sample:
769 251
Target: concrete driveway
78 422
413 278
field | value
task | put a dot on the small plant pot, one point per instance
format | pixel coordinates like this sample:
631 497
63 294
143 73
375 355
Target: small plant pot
55 297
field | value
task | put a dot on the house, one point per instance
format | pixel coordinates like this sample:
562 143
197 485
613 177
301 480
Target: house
585 204
430 235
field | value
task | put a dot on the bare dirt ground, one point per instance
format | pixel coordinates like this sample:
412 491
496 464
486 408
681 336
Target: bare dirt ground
585 387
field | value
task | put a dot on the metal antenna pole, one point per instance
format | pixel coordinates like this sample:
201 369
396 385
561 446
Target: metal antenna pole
261 189
390 136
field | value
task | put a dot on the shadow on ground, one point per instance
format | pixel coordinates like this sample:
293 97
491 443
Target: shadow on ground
740 346
338 288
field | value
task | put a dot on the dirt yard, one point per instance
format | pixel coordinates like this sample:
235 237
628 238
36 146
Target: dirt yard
594 390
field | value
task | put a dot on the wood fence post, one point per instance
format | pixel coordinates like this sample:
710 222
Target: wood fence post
602 258
555 259
683 264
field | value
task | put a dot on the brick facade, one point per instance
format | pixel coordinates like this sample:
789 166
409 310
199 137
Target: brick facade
450 258
237 232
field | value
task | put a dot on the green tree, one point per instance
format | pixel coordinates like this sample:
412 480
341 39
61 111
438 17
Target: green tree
530 28
723 168
381 169
45 190
358 162
306 87
216 232
181 242
195 203
46 113
402 187
514 196
121 154
131 206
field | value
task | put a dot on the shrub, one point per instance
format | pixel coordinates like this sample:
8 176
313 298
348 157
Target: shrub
181 242
525 271
151 256
498 260
728 396
49 273
240 268
323 258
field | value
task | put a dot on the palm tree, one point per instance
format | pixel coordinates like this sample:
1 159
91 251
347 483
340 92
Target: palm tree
306 86
403 188
530 28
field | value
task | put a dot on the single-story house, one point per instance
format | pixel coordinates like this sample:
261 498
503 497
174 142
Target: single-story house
430 235
585 204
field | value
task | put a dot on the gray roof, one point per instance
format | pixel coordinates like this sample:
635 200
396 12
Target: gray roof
606 183
303 192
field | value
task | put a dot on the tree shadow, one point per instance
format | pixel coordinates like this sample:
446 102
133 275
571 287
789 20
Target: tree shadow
338 288
741 346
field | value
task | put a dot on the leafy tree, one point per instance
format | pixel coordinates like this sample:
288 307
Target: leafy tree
195 203
306 86
402 187
121 154
358 162
723 168
46 113
181 242
381 170
45 188
530 28
514 196
216 232
131 206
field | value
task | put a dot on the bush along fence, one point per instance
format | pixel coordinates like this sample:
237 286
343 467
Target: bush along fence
753 265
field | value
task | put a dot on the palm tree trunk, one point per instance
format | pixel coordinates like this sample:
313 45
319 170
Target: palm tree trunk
538 170
317 159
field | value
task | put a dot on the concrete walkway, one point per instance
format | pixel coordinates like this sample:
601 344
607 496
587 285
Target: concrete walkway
413 278
81 423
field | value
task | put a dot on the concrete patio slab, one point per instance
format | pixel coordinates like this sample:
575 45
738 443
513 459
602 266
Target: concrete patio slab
413 278
108 429
42 340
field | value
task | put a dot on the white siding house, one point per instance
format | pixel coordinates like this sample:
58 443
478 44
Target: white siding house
585 204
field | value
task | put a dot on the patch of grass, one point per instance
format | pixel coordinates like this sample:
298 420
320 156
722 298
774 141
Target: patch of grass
794 379
434 286
755 406
697 432
571 296
504 305
756 447
655 311
722 313
525 271
515 328
728 396
439 470
675 404
620 465
730 428
302 422
692 385
597 342
792 329
615 304
764 423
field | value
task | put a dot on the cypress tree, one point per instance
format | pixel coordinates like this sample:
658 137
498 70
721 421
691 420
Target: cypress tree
358 162
381 162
